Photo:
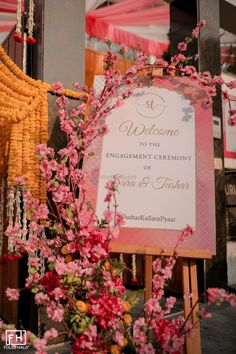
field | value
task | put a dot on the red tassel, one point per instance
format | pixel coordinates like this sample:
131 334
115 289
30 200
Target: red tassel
31 40
18 37
134 280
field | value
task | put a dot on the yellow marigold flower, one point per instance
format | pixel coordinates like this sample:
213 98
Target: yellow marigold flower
125 342
127 306
107 265
115 349
127 319
65 250
81 306
68 258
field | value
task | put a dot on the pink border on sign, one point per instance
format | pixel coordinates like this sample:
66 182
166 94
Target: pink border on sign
202 243
227 154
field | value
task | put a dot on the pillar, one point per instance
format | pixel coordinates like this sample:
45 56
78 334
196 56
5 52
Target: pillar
184 14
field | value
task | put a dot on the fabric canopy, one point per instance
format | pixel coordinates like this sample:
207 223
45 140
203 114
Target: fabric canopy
110 21
137 23
8 6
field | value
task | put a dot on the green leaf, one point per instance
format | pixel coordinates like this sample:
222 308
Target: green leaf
32 270
89 206
35 290
69 212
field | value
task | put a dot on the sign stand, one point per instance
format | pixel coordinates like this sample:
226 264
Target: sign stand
148 277
191 307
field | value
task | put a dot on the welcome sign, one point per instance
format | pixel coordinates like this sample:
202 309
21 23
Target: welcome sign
160 150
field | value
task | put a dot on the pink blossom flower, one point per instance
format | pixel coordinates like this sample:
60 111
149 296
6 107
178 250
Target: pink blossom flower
40 345
206 75
231 84
43 211
156 265
231 298
58 86
225 95
55 312
194 76
202 23
61 101
217 80
195 32
108 215
60 194
43 150
34 262
216 295
20 181
114 232
182 46
170 302
41 298
203 313
119 219
50 334
119 102
231 121
12 294
161 63
60 266
188 69
123 48
58 294
71 247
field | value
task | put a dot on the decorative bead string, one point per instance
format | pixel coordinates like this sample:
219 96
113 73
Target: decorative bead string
2 189
24 61
18 208
18 35
134 279
30 38
42 260
10 213
30 23
24 219
121 261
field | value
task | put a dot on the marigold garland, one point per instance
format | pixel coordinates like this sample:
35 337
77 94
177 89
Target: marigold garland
23 123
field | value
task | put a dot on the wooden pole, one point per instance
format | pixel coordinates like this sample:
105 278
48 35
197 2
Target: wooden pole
148 277
190 292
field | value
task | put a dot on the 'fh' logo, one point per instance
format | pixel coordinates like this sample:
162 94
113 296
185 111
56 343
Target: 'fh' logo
15 337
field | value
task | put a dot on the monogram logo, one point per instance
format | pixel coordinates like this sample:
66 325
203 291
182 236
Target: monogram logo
150 105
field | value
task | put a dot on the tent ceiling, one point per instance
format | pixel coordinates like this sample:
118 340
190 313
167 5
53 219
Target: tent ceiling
154 32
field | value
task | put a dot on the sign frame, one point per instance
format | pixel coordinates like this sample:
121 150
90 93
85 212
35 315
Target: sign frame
205 196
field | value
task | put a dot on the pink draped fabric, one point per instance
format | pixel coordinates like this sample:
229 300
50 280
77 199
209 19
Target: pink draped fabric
125 6
103 23
6 27
8 6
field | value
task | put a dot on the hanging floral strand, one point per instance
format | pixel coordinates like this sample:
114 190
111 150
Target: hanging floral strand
2 213
134 277
18 34
121 261
31 39
10 213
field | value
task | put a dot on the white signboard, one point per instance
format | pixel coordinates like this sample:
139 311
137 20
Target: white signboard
150 149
